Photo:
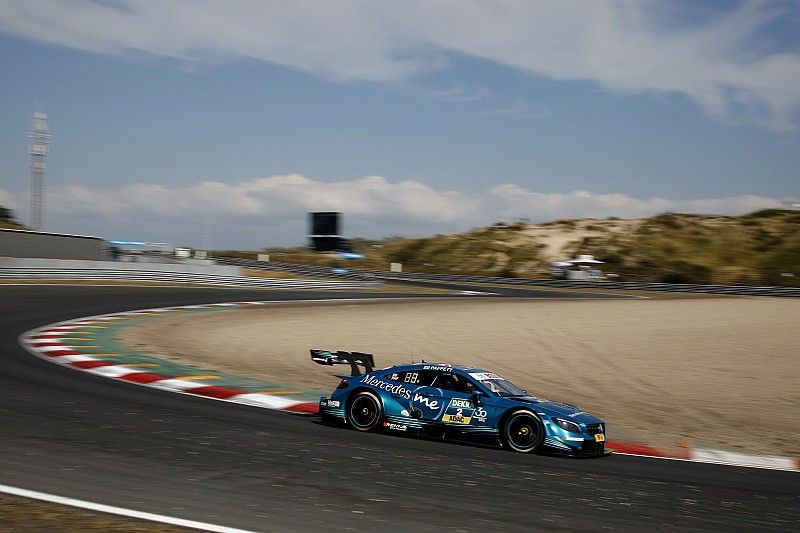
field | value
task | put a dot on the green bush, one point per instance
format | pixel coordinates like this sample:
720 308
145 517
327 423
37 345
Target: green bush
668 220
770 213
686 272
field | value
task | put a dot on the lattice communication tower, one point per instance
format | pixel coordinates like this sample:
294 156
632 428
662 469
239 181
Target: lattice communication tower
40 136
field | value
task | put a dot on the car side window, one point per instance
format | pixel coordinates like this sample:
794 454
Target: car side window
412 377
395 376
425 377
453 382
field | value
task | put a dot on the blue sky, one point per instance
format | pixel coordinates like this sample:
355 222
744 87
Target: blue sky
412 118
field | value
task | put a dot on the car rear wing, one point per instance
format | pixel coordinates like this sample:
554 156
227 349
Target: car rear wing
354 359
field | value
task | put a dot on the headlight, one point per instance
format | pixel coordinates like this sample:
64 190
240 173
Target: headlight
566 425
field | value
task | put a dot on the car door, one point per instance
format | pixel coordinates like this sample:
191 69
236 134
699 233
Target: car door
427 400
465 411
415 396
448 399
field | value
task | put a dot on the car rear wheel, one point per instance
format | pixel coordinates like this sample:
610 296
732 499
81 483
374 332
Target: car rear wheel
522 432
364 412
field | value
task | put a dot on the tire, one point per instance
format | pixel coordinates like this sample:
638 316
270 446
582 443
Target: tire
522 432
364 411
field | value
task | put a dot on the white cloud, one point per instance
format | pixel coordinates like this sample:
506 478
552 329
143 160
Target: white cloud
514 201
371 196
272 210
460 93
625 47
521 108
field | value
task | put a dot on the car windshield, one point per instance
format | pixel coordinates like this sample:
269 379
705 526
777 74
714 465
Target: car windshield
498 385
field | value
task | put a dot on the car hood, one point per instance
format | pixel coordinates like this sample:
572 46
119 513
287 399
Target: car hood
548 408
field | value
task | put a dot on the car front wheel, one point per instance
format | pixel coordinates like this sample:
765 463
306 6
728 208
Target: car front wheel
522 432
364 412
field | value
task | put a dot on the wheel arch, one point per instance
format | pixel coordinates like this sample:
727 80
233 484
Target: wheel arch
354 393
362 388
516 409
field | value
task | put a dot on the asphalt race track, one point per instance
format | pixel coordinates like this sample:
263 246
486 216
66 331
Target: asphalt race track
73 434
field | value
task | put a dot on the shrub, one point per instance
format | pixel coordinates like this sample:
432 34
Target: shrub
668 220
686 272
769 213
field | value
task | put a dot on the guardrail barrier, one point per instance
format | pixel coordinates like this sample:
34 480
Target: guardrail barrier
373 275
10 273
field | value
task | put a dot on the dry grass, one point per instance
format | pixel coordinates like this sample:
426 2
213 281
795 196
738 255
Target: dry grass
8 224
753 249
274 274
21 515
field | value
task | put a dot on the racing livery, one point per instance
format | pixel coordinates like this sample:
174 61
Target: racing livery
457 402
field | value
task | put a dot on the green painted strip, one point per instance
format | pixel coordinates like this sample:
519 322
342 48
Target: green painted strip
105 344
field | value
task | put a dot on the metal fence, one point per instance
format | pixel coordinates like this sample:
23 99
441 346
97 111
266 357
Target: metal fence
9 273
314 271
744 290
373 275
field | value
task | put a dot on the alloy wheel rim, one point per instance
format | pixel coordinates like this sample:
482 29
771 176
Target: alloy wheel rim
522 432
364 412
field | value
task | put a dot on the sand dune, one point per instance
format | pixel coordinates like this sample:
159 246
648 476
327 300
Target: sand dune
716 371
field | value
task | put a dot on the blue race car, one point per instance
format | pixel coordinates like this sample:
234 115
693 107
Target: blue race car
455 401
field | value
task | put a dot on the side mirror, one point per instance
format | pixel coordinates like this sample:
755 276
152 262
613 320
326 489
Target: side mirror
476 398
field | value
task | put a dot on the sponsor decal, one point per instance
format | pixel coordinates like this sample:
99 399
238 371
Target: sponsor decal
459 411
427 402
480 414
438 367
576 413
388 387
482 376
395 427
456 419
394 377
333 403
463 404
411 377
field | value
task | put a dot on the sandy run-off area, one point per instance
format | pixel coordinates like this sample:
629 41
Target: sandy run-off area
722 372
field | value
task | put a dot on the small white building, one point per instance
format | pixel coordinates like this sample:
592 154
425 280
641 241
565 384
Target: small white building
583 267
